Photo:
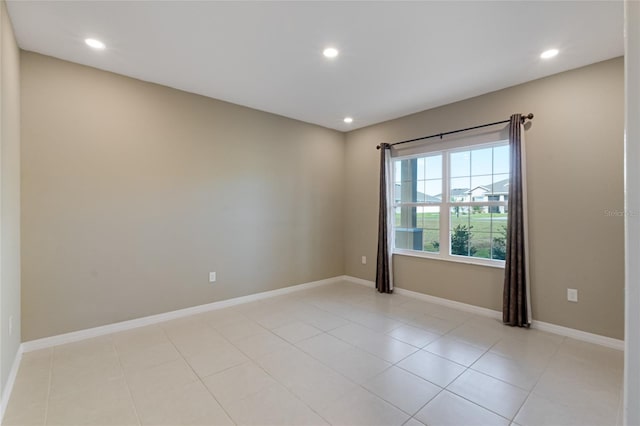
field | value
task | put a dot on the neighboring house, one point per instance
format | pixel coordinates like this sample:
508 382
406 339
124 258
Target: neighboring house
499 192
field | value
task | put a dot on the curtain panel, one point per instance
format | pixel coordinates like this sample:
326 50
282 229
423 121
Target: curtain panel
384 265
516 308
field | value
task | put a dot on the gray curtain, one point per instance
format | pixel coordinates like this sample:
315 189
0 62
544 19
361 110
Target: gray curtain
384 274
516 309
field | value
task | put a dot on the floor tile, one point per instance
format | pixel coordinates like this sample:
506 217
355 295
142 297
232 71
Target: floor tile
406 391
450 314
238 382
273 405
191 341
413 422
492 394
161 378
356 364
434 324
71 373
361 407
186 405
508 370
317 356
309 379
258 345
296 331
380 345
476 335
84 349
414 336
139 338
107 404
533 351
322 320
240 330
275 320
214 359
455 350
577 386
24 415
148 356
448 409
376 322
31 386
324 346
541 411
433 368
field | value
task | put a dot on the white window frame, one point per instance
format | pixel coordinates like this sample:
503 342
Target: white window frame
445 207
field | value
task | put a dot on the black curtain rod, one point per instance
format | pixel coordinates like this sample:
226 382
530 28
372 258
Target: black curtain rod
440 135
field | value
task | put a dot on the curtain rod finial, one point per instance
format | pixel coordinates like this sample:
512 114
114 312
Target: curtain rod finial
378 147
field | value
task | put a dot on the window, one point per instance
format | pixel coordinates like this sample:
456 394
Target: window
452 204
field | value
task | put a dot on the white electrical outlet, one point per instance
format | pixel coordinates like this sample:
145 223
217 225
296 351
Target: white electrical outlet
364 260
10 325
212 277
572 295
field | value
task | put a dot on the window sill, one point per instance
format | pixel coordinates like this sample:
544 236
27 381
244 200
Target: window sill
469 261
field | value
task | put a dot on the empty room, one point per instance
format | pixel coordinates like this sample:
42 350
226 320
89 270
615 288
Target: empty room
319 213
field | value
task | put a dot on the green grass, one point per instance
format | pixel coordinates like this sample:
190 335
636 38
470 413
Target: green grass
482 230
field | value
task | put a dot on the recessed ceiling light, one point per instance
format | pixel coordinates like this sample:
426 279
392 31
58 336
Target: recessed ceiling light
330 52
549 53
96 44
348 120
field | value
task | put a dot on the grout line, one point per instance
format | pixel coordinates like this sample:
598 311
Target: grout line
46 405
200 379
126 382
539 377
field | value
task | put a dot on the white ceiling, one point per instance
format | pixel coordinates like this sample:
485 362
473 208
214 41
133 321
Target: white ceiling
395 58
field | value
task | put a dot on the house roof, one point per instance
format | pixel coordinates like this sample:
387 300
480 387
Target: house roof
499 187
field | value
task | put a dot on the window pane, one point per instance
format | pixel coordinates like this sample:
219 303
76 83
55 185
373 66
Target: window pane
481 245
460 164
406 187
433 167
433 191
501 185
459 232
420 191
430 223
460 189
481 161
396 216
476 232
501 159
480 188
499 237
480 225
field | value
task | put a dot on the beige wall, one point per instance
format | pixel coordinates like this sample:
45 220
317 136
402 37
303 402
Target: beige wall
134 192
9 195
575 172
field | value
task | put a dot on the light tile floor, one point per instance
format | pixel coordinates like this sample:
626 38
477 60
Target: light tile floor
340 354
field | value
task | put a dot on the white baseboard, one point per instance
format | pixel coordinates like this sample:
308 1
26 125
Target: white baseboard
539 325
89 333
478 310
584 336
360 281
11 380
